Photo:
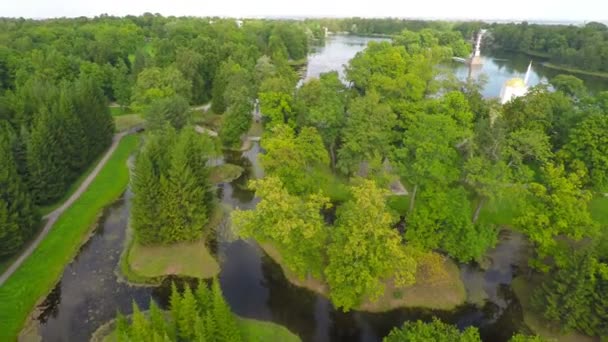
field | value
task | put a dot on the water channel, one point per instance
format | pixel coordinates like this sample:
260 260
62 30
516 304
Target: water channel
89 292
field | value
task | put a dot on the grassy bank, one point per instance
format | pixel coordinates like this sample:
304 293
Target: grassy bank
40 272
575 70
523 291
127 121
149 265
444 294
252 330
225 173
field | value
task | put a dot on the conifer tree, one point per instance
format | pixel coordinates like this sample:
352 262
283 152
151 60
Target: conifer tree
122 327
157 319
18 217
204 298
227 328
199 330
174 304
188 314
140 327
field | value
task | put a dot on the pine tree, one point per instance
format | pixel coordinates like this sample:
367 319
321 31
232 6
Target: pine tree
122 327
146 199
157 319
18 217
175 307
204 298
227 328
140 327
199 330
188 314
45 160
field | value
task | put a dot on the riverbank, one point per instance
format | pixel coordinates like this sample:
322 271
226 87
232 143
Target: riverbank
252 330
444 294
40 271
575 70
150 265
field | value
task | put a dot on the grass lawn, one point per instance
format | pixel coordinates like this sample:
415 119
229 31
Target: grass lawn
500 212
127 121
141 264
119 111
523 290
252 330
40 272
225 173
256 129
400 204
443 294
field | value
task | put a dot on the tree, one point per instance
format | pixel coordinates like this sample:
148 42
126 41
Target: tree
156 83
292 224
295 159
188 314
588 142
173 110
367 133
570 85
322 104
227 328
435 331
277 101
557 209
365 250
18 216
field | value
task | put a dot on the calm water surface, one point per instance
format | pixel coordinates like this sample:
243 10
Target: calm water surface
89 292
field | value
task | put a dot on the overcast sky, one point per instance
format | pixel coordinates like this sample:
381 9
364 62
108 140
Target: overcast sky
573 10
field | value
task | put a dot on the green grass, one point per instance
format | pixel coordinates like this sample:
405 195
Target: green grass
119 111
599 210
225 173
256 129
259 331
151 264
501 212
127 121
41 271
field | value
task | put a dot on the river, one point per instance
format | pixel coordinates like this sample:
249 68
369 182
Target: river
89 292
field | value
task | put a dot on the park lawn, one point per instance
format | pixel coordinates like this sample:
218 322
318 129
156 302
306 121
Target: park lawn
41 271
140 264
523 291
225 173
127 121
119 111
444 294
501 212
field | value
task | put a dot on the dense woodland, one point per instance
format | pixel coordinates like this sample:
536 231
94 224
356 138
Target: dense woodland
332 149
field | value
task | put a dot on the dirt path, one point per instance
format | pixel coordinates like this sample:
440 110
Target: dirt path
54 215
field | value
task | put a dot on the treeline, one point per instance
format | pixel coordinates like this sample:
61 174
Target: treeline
200 314
438 331
57 76
582 47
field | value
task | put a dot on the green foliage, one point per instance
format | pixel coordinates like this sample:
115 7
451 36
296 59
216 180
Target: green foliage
295 159
558 207
172 195
526 338
573 298
294 225
172 110
18 217
156 83
588 142
435 331
365 249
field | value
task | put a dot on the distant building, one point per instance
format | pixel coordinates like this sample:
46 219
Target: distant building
515 87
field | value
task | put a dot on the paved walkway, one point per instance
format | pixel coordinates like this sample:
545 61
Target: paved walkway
54 215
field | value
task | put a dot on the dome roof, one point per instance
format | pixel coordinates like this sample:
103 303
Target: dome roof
516 82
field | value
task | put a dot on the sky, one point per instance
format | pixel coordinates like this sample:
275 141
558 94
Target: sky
551 10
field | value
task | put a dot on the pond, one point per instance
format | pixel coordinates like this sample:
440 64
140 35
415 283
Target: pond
89 292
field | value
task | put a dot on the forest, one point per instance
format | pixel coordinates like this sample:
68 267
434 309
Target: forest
333 152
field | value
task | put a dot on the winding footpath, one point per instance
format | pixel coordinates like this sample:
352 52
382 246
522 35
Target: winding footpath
54 215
